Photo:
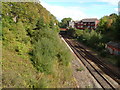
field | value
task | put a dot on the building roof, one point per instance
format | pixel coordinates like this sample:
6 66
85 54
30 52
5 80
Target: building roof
89 20
114 44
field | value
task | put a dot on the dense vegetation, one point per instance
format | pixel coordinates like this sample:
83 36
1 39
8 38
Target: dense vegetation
108 30
33 54
65 22
109 27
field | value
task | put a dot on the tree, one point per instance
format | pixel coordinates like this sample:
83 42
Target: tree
113 15
102 26
116 29
105 23
109 27
64 22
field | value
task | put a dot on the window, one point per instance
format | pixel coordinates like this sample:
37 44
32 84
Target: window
92 23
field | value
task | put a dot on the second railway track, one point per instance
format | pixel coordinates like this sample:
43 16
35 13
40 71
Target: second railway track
84 56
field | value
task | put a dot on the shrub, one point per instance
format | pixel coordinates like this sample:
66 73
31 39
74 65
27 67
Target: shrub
103 53
43 55
80 69
47 49
90 38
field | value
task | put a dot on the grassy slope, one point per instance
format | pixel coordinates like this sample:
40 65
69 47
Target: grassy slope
18 70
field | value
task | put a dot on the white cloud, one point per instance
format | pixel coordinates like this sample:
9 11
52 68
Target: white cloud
61 12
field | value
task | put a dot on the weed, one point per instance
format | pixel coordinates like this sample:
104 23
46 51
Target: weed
88 86
80 69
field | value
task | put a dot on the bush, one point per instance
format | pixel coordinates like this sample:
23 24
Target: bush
103 53
47 49
90 38
71 32
44 55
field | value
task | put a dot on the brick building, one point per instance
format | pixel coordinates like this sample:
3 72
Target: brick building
89 23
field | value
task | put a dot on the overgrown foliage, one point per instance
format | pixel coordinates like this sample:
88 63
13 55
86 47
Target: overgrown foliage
47 50
90 38
30 33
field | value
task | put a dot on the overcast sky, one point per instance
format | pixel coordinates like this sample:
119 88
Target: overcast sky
79 9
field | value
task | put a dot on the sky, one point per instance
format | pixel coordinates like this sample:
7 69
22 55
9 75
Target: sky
79 9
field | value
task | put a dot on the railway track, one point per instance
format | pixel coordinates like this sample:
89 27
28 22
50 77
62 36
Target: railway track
95 66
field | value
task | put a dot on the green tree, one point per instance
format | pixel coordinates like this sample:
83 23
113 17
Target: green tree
102 26
116 29
105 23
64 22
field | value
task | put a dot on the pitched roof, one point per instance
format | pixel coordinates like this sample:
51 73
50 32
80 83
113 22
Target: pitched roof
89 20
